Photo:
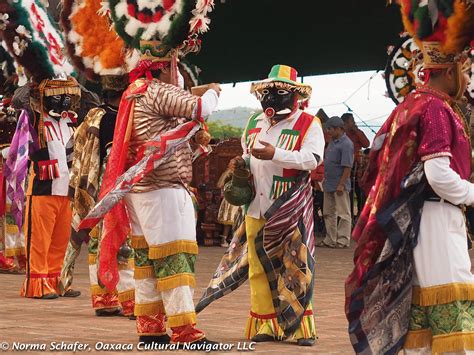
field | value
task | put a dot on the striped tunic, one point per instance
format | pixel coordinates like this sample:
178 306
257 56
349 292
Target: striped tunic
161 108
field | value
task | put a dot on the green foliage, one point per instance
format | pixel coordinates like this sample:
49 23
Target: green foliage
218 130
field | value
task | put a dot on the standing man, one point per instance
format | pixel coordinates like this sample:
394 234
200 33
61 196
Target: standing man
92 143
154 111
281 146
338 162
48 209
360 140
412 285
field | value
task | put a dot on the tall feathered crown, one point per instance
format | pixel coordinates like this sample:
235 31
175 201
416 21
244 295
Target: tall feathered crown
93 44
174 24
32 39
442 29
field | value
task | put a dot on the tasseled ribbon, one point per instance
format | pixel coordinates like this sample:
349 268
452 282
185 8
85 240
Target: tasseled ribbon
144 68
48 169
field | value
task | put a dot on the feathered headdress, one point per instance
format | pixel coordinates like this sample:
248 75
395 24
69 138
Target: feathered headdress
92 43
32 39
174 23
402 68
442 29
7 64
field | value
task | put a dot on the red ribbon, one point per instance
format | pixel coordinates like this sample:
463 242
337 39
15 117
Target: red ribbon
145 67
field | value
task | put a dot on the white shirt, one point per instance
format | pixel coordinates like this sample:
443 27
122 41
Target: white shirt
267 172
59 137
446 183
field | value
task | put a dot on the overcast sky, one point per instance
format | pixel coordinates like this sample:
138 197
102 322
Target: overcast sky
363 92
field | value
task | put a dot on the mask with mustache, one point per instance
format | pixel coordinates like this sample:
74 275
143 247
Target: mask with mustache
277 103
57 104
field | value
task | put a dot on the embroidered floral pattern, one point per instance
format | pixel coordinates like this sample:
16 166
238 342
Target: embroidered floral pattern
443 319
141 258
174 264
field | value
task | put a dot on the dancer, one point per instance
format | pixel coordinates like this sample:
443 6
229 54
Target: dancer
93 142
48 210
12 244
412 285
274 248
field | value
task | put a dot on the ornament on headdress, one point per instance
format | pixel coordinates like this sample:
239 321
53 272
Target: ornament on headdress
163 30
92 43
401 71
32 39
442 29
172 22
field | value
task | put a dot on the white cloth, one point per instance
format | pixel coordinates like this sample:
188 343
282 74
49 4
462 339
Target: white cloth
146 292
93 274
447 183
441 255
264 170
178 300
59 136
209 102
126 281
162 216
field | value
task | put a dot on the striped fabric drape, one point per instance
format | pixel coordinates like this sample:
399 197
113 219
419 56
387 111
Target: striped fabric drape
285 246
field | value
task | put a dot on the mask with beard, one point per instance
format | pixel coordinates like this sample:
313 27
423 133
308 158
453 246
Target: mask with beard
57 104
277 103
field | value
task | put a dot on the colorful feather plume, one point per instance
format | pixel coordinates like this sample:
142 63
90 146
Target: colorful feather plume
32 39
173 22
92 43
450 22
7 64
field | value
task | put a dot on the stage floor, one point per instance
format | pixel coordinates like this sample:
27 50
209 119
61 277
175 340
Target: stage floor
31 321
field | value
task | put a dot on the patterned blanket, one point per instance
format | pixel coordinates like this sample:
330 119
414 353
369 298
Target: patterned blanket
85 172
285 246
24 143
378 322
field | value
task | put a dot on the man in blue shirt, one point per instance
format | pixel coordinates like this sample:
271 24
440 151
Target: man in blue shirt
338 161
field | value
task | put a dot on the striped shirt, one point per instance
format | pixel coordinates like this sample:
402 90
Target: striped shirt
161 108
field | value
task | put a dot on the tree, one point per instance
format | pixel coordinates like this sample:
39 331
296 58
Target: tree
219 130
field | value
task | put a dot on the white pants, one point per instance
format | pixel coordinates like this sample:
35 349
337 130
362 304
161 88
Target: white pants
441 256
164 217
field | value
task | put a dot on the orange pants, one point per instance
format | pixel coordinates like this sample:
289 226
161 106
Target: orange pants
47 233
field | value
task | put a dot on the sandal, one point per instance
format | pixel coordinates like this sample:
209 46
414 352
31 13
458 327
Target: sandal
71 293
323 244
